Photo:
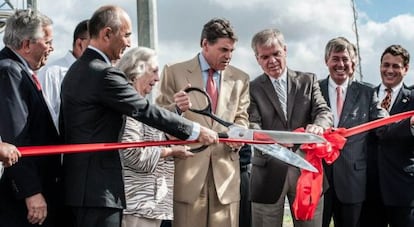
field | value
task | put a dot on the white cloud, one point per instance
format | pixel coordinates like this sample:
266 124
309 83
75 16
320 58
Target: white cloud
307 25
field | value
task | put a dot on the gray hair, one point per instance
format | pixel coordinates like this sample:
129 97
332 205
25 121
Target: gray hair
23 25
267 38
340 44
134 62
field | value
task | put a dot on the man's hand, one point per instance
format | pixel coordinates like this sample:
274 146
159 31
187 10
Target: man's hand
37 209
181 152
207 136
8 154
235 146
314 129
182 101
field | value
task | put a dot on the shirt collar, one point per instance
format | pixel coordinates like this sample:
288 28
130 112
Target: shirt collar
282 77
394 89
333 85
23 61
101 53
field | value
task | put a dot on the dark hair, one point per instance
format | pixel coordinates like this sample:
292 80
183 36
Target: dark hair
81 31
217 28
339 44
397 50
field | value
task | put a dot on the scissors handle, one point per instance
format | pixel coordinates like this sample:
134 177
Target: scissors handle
208 110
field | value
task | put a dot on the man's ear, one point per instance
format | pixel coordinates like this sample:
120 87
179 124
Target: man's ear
26 46
105 33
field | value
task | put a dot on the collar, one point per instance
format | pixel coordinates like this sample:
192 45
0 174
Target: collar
204 64
26 65
282 77
101 53
395 89
333 85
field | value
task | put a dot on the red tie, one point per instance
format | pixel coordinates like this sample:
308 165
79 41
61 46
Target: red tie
211 89
36 81
339 101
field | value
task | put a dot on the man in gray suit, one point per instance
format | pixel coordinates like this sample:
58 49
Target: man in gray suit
281 99
352 103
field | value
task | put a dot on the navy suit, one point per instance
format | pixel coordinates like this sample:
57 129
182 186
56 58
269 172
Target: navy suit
25 120
95 96
396 164
347 175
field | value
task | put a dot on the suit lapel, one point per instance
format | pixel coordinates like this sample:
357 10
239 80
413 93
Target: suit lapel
291 92
401 102
350 101
324 90
195 78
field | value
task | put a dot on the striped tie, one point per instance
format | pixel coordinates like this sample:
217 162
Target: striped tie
281 94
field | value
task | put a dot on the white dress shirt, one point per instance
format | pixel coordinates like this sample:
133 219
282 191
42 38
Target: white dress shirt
332 97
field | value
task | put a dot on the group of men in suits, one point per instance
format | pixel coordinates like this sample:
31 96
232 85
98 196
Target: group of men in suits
96 95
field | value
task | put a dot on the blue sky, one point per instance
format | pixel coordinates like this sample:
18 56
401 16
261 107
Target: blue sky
383 10
307 25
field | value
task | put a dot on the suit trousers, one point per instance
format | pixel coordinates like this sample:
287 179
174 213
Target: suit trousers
400 216
97 217
344 214
130 220
271 215
207 210
245 219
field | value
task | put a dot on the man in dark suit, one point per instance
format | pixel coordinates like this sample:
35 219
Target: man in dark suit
396 143
95 96
293 103
352 103
29 190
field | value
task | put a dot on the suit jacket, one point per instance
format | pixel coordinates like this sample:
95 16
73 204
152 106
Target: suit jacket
25 120
396 155
95 96
305 105
233 100
348 173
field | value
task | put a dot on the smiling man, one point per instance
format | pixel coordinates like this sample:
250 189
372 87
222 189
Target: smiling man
352 103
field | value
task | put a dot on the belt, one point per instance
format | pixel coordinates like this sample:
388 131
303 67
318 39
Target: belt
243 168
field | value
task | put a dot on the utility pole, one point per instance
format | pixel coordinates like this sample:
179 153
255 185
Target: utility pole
147 23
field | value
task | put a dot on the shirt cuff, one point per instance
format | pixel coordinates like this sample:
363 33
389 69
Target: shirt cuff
196 131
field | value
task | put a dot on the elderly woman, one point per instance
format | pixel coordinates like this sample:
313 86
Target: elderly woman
148 173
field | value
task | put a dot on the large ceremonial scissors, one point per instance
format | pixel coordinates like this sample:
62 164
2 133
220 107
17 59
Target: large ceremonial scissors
279 137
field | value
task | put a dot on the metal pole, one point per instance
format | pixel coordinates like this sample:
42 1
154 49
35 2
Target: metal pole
147 23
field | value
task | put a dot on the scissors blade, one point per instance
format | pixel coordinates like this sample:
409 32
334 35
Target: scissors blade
286 137
285 155
283 137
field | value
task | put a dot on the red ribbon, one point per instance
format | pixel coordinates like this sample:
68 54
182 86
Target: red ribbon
81 148
309 185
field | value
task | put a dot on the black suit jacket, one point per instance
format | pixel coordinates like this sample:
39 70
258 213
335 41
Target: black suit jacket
305 105
396 155
25 120
95 96
349 172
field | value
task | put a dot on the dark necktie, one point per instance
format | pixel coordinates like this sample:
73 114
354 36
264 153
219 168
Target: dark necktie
386 102
36 81
211 89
